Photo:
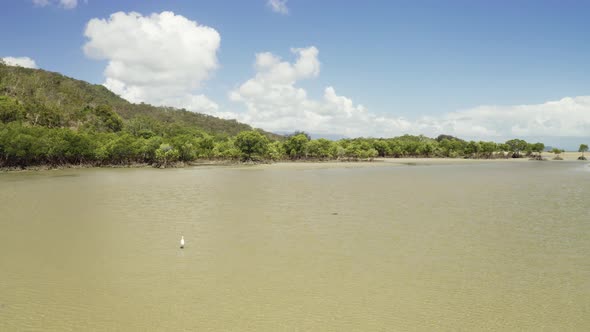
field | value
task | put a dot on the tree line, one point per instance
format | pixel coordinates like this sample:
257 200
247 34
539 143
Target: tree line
106 139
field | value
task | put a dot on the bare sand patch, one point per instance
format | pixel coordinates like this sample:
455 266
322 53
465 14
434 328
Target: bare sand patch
566 155
388 162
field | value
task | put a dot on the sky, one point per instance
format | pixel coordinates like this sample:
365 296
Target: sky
488 70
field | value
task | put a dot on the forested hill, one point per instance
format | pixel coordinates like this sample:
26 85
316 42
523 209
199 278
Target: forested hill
49 119
53 100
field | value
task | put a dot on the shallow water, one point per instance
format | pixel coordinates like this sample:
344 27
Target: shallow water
479 246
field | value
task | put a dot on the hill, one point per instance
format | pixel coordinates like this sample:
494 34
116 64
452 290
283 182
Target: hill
53 100
47 119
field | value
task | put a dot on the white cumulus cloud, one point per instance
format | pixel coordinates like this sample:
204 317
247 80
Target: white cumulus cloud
67 4
25 62
273 101
278 6
161 59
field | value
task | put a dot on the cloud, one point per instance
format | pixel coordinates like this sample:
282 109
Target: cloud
160 59
67 4
273 101
278 6
41 3
25 62
565 117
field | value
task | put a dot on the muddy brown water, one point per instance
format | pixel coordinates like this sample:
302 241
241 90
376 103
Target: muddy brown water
483 246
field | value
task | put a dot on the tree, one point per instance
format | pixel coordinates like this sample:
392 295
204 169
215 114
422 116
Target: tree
120 149
18 145
321 148
205 145
111 120
251 144
46 116
583 148
516 146
368 154
226 150
472 149
395 148
147 148
488 148
382 147
276 150
538 148
425 148
143 126
186 147
449 147
10 110
299 132
353 150
166 154
557 152
296 146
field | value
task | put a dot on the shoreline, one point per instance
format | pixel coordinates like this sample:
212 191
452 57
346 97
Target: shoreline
386 161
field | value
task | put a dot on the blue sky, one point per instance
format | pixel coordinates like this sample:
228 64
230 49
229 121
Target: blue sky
414 66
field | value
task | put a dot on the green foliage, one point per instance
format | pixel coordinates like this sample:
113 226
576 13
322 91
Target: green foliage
557 153
186 146
383 149
321 149
359 148
516 146
487 149
583 148
10 110
166 154
538 147
105 119
143 126
226 150
22 144
276 151
53 100
251 144
205 146
296 145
